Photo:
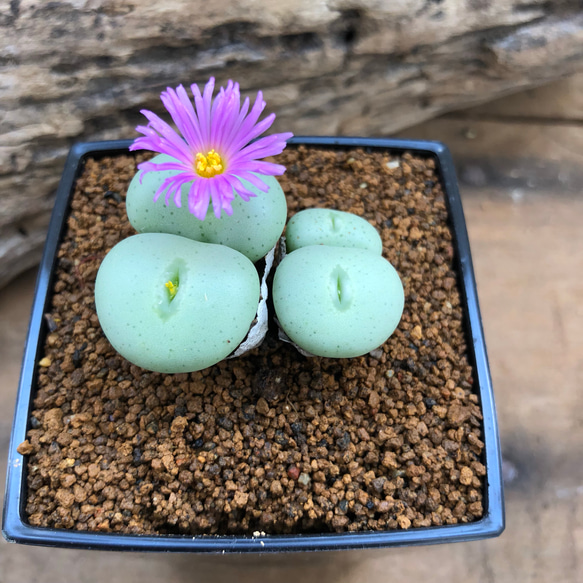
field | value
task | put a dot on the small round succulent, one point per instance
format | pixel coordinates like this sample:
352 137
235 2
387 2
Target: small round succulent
335 295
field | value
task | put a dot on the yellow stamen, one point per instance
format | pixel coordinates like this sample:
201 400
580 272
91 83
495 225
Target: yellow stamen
209 165
172 289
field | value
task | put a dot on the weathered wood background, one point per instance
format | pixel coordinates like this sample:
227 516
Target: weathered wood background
82 70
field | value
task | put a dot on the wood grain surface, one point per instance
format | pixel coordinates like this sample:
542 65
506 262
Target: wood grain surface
80 70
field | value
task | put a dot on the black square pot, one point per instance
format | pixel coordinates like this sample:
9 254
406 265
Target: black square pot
15 526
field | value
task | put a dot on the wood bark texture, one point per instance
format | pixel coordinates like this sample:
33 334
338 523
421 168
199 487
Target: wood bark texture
82 69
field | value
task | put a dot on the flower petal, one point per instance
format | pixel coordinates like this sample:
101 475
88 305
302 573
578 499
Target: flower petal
180 108
242 138
238 187
198 199
168 138
260 167
263 147
253 179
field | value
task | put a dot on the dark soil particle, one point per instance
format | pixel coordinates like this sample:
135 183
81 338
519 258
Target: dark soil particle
272 441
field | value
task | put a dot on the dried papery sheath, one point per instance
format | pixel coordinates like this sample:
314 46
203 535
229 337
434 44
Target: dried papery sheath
259 326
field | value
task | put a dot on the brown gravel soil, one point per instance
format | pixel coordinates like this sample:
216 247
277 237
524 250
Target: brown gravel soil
272 441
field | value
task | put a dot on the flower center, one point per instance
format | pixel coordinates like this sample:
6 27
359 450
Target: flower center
209 165
172 289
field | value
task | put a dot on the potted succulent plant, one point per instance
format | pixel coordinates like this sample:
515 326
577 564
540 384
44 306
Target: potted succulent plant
387 437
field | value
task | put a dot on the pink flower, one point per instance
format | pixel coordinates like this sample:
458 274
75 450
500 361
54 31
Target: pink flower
214 151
